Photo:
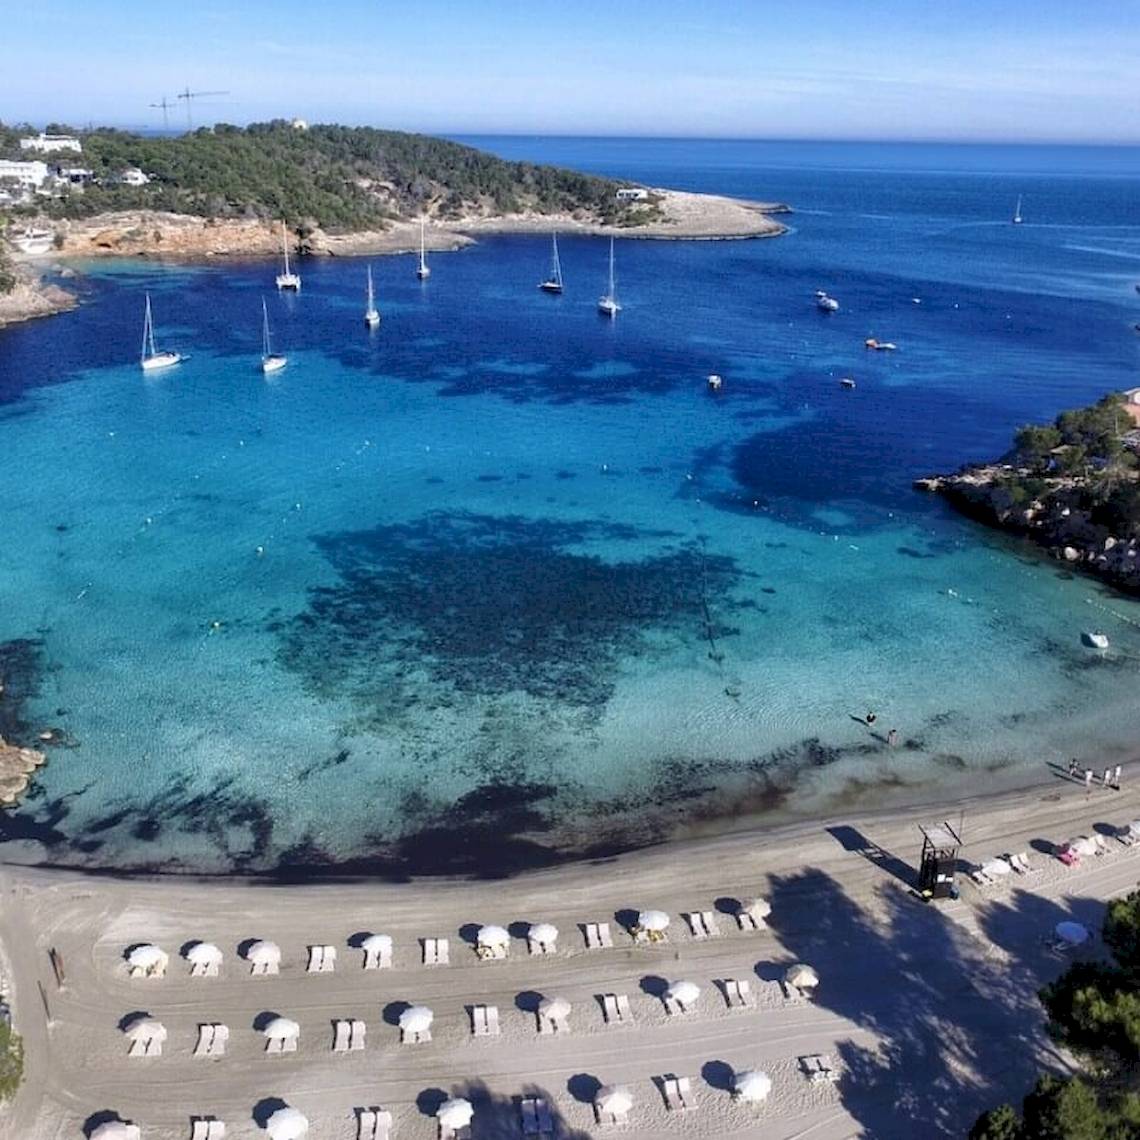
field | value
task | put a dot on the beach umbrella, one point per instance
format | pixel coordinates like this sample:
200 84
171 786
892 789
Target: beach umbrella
455 1113
377 943
1134 827
1074 933
113 1130
146 1029
554 1007
614 1099
147 957
282 1027
801 976
287 1124
752 1085
492 936
684 993
416 1019
544 932
655 920
996 867
757 908
1082 845
264 953
204 954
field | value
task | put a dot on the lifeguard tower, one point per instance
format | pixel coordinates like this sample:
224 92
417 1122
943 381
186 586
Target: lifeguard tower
940 843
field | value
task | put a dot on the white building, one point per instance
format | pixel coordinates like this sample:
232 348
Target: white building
29 174
46 143
299 125
132 176
632 194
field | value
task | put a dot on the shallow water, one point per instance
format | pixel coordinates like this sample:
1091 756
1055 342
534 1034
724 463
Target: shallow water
503 581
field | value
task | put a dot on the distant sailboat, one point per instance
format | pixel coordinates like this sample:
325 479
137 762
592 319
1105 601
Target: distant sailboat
553 283
607 303
270 361
287 279
423 272
371 313
1017 212
150 358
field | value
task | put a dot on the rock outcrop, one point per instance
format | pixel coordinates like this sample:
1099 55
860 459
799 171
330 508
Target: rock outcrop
16 768
31 297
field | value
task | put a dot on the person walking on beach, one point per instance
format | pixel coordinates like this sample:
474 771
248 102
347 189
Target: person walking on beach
1106 779
1073 767
1116 778
1088 779
892 738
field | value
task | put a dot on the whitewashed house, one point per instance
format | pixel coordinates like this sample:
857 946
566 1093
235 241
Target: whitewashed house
632 194
47 143
132 176
30 175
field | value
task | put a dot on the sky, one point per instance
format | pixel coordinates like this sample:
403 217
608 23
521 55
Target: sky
979 70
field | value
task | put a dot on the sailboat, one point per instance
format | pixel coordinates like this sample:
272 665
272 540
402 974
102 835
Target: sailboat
288 279
1017 212
607 303
423 272
371 314
150 358
553 283
270 361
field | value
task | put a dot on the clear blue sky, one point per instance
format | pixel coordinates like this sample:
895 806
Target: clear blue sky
955 69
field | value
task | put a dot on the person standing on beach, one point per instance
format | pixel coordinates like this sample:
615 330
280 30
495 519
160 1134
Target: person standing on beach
1073 767
1116 778
1088 779
1106 779
892 738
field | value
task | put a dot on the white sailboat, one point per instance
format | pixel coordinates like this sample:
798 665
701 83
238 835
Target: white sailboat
287 279
607 303
553 283
371 313
270 361
150 358
1017 212
423 272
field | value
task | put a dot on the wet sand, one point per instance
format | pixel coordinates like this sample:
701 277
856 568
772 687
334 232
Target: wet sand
919 1006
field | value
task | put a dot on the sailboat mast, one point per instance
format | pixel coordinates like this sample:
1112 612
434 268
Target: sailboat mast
370 297
285 247
611 292
147 338
264 329
557 264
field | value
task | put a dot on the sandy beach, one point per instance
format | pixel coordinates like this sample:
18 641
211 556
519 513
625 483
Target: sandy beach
927 1012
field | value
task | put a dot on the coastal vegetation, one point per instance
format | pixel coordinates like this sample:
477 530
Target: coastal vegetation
11 1060
333 177
1094 1010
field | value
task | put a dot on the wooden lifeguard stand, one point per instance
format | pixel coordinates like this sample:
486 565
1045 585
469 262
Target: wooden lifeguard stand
940 843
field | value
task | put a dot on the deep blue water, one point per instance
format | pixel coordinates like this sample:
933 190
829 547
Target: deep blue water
502 579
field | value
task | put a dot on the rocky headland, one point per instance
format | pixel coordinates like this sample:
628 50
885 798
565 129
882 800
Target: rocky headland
32 297
16 768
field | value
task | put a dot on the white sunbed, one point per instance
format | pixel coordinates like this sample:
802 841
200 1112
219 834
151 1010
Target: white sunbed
1126 836
485 1021
496 953
606 1118
747 921
446 1132
616 1010
205 1040
328 961
341 1036
262 969
408 1037
373 1124
548 1025
207 1128
356 1039
703 924
818 1068
205 969
217 1047
674 1008
598 936
678 1093
378 959
316 960
436 952
738 993
538 948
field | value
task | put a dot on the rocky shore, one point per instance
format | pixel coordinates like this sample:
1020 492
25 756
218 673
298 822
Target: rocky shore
1054 519
32 297
16 768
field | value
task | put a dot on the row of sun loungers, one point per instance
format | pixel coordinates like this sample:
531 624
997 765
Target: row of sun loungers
991 872
212 1040
348 1036
207 1128
373 1124
322 960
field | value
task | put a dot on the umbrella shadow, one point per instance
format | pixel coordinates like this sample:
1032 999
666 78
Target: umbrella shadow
583 1087
626 918
392 1012
265 1108
262 1020
104 1116
125 1021
718 1075
654 985
528 1001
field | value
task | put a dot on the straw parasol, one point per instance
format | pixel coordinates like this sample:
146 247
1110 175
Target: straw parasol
752 1085
554 1007
801 976
377 943
1074 933
114 1130
455 1113
544 932
416 1019
757 908
492 936
145 1029
615 1100
147 957
287 1124
204 954
654 920
264 953
996 867
1082 845
684 993
284 1027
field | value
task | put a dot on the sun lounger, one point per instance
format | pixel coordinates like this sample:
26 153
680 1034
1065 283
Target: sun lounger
378 959
548 1025
328 961
818 1069
207 1128
605 1118
205 969
341 1036
598 936
275 1045
529 1111
137 1047
356 1038
738 994
980 878
154 1047
373 1124
673 1007
435 952
446 1132
217 1046
703 924
289 1045
485 1021
538 948
678 1093
748 922
261 969
1126 836
205 1040
316 960
615 1009
407 1037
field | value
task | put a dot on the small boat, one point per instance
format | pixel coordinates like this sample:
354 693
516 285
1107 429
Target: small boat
880 345
422 271
825 303
287 279
33 242
1017 212
371 313
553 283
150 358
1097 639
715 383
270 361
847 382
607 302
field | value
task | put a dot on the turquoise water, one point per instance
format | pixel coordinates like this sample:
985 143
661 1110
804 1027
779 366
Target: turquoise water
502 581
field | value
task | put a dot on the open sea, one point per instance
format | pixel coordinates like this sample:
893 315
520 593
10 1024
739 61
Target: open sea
502 582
